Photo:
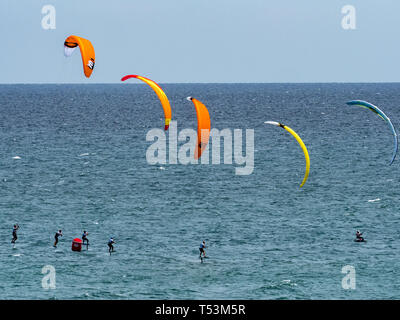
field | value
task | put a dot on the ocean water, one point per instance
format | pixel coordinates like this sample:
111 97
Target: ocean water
83 166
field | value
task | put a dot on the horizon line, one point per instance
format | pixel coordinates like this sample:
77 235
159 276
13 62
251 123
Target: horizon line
140 84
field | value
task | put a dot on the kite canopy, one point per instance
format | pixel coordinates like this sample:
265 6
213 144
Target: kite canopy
87 52
203 126
160 93
302 145
379 112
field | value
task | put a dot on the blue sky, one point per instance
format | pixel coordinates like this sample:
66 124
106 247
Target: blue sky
181 41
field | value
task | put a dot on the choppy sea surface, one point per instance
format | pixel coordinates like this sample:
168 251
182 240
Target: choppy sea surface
73 157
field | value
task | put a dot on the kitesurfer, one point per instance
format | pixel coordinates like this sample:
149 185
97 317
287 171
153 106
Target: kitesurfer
110 245
58 234
201 248
84 237
359 237
14 233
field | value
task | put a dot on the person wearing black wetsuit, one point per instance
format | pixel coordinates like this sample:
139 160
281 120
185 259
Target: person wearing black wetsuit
110 245
84 238
359 236
58 234
201 248
14 233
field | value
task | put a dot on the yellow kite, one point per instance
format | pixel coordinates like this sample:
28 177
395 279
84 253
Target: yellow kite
302 145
